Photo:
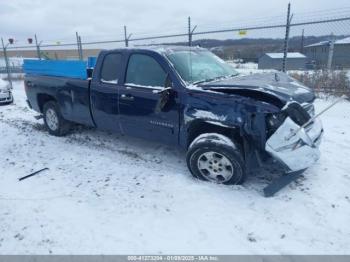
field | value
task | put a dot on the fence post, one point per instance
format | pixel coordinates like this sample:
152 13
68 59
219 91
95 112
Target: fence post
330 53
302 42
286 40
80 51
37 47
126 39
7 63
189 32
78 46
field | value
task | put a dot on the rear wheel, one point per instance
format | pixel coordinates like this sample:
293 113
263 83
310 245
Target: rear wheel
215 158
53 119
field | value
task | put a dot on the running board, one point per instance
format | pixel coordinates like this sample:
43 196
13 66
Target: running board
279 183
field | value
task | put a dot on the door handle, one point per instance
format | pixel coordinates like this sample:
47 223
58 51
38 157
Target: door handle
127 97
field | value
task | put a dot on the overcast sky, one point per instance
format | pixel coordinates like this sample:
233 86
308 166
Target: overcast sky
58 20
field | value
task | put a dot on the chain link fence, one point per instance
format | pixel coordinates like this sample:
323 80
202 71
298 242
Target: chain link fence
321 37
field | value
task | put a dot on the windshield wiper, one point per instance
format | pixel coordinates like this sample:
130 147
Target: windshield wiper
213 79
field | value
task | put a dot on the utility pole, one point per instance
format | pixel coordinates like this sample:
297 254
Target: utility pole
37 47
4 48
190 31
331 52
286 40
302 42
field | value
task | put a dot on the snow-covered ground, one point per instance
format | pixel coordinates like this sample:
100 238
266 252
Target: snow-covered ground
105 193
14 61
249 68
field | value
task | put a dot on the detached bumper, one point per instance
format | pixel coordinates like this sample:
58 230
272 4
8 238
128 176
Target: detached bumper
299 151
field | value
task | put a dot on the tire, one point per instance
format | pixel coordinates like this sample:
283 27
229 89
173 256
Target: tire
229 167
54 122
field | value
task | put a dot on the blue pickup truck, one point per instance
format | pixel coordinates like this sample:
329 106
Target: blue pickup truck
183 96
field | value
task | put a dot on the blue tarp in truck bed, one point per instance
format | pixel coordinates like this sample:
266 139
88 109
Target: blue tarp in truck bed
65 68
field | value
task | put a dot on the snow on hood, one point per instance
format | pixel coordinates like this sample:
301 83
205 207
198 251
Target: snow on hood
278 84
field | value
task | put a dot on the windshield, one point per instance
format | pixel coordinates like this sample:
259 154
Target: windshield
200 66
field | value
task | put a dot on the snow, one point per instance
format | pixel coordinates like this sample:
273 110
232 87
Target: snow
319 44
13 61
137 85
3 84
249 68
344 41
109 194
289 55
208 115
115 81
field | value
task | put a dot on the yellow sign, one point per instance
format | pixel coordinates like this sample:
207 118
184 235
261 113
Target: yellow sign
242 32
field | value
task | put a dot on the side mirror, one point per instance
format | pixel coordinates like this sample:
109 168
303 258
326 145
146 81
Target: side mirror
168 85
165 95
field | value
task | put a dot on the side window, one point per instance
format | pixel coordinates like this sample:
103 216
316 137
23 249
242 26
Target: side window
110 68
145 70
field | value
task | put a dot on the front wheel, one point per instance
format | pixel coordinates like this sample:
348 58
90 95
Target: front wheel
215 158
53 119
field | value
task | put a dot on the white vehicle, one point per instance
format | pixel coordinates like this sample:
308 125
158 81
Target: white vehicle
5 93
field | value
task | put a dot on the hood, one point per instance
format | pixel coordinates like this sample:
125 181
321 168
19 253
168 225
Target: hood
4 85
279 85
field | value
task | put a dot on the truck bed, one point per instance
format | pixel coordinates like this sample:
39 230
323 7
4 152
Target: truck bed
71 94
66 81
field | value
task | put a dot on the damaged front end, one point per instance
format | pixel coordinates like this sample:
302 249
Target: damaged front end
294 137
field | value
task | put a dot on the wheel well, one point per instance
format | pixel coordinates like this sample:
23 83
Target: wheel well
44 98
200 127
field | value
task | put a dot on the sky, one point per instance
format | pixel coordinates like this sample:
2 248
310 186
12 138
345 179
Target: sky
95 20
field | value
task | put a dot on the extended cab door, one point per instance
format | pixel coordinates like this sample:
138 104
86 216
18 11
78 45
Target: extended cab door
140 115
104 91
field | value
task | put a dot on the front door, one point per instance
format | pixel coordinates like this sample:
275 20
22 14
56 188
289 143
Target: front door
104 93
139 97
